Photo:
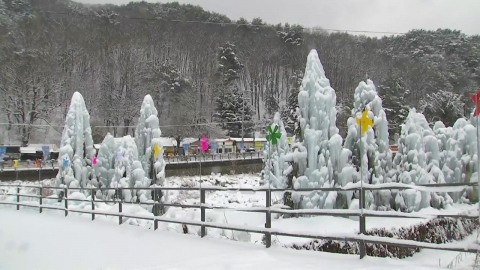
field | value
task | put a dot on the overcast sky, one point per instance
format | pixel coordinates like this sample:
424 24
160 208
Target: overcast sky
369 15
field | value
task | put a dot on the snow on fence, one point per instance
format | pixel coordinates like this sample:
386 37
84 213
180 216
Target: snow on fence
268 231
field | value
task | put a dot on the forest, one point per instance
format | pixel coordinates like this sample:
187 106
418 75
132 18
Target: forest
207 73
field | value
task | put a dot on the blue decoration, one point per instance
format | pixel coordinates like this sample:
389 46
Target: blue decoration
185 148
3 151
214 146
46 152
65 162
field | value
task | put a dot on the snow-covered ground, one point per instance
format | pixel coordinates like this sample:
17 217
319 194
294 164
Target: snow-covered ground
228 199
429 257
44 241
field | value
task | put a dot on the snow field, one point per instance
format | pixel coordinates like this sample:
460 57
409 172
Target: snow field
46 241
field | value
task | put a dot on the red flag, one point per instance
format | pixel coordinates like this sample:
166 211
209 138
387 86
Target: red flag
476 100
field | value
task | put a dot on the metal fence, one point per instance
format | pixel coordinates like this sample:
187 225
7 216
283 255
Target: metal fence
53 163
213 157
268 231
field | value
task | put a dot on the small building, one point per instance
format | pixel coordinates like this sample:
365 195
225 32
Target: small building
225 146
258 144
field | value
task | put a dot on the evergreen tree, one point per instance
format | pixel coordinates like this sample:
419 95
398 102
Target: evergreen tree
443 106
229 66
232 110
393 92
230 106
289 112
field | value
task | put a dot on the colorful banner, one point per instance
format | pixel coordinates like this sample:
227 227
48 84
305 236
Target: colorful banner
204 143
259 144
3 151
186 146
46 152
214 146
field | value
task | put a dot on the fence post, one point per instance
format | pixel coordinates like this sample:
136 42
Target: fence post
155 224
120 211
93 204
268 223
41 199
65 198
361 244
203 231
18 198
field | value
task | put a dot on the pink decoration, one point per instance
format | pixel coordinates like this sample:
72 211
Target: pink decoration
204 143
94 161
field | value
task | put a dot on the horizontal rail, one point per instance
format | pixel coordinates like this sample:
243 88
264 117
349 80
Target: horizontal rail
52 165
279 209
449 187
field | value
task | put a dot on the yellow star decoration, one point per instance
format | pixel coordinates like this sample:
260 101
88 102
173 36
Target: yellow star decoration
364 122
156 150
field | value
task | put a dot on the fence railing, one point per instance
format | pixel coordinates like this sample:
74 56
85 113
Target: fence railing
214 157
361 238
53 164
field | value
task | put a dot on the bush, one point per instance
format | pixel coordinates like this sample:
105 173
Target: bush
437 231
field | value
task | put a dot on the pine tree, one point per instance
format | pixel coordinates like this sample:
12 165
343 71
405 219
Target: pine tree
229 109
289 112
229 66
393 92
443 106
232 109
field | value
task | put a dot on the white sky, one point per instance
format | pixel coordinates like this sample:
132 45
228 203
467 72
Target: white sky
370 15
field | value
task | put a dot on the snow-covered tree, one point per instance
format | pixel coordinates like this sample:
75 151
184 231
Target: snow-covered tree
147 137
126 170
316 100
76 147
147 130
229 65
393 92
159 173
450 153
231 108
277 165
105 169
376 156
410 163
289 112
434 173
443 106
